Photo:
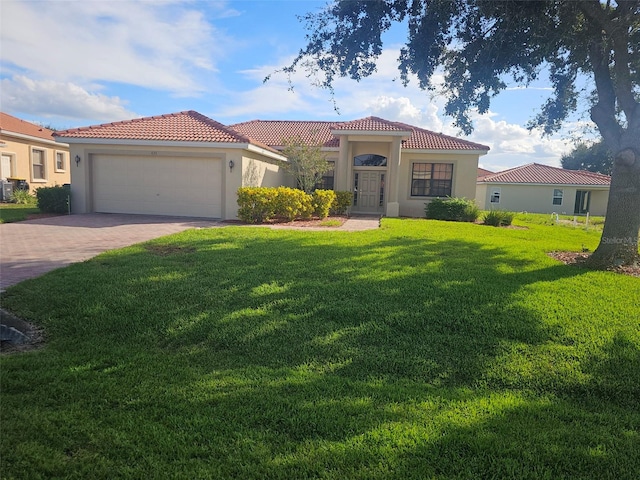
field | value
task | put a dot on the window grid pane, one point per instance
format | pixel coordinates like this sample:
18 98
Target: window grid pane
431 179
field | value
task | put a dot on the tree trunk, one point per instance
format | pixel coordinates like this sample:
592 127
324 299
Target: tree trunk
619 242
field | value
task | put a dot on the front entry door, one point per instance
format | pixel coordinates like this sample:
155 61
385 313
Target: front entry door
368 191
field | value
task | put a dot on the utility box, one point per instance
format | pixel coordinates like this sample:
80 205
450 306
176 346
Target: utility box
6 190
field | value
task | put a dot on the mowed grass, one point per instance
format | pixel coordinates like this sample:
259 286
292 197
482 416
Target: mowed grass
13 212
423 349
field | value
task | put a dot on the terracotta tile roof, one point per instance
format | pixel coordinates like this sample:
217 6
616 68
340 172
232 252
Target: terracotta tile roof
10 123
188 126
482 172
370 124
272 132
422 139
545 174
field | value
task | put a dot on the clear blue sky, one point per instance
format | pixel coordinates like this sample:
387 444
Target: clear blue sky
77 63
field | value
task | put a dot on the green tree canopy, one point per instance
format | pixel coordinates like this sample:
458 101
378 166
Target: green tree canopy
482 46
593 158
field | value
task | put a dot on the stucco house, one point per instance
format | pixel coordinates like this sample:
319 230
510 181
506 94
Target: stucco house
540 188
31 154
188 164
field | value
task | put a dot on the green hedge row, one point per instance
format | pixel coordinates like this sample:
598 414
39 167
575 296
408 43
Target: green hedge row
54 199
260 204
452 209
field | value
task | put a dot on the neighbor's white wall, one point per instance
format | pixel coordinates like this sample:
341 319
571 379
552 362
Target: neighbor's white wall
539 198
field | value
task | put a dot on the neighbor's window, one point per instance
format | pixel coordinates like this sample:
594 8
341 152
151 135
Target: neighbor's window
495 195
557 196
60 163
431 179
326 183
370 160
37 164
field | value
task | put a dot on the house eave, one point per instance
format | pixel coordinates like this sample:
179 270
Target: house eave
33 139
170 143
445 152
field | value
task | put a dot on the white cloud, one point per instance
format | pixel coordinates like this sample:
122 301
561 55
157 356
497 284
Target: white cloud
154 45
50 98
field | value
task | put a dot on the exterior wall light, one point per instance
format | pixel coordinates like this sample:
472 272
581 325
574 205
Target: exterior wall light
231 165
77 160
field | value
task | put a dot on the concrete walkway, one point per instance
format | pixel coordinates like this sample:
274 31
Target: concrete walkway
31 248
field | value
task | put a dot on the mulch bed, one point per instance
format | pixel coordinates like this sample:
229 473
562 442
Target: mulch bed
578 259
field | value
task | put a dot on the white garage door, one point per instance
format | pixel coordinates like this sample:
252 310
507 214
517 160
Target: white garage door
157 185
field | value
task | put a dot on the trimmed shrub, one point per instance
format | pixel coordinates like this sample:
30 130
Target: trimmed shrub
342 202
22 197
291 203
53 199
322 201
257 204
452 209
498 218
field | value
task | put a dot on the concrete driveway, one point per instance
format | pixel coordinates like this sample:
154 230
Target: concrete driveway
31 248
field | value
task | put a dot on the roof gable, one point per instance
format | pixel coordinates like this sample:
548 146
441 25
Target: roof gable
187 126
545 174
9 123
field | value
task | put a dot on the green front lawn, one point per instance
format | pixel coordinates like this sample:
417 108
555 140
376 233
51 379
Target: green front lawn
14 212
423 349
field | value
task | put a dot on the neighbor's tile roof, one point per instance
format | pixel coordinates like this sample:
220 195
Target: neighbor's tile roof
272 132
275 132
483 171
537 173
9 123
188 126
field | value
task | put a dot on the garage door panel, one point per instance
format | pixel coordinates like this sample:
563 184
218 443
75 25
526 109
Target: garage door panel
157 185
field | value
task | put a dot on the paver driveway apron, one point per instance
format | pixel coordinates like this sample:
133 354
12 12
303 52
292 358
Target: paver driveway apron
32 248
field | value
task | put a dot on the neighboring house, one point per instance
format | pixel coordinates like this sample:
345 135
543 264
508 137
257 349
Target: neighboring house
543 189
187 164
31 155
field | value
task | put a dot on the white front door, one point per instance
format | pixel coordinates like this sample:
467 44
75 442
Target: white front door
5 167
368 191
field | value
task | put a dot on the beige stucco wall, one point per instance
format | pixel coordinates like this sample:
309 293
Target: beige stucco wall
539 198
20 150
464 179
250 168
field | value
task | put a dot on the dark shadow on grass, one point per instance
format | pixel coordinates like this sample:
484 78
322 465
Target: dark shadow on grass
272 355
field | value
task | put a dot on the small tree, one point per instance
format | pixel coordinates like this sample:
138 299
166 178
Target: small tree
305 162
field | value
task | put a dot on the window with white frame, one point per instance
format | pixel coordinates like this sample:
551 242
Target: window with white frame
38 164
495 195
61 162
557 196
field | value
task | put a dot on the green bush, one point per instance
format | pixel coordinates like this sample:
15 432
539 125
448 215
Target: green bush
322 201
498 218
257 204
22 197
342 202
292 203
452 209
53 199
